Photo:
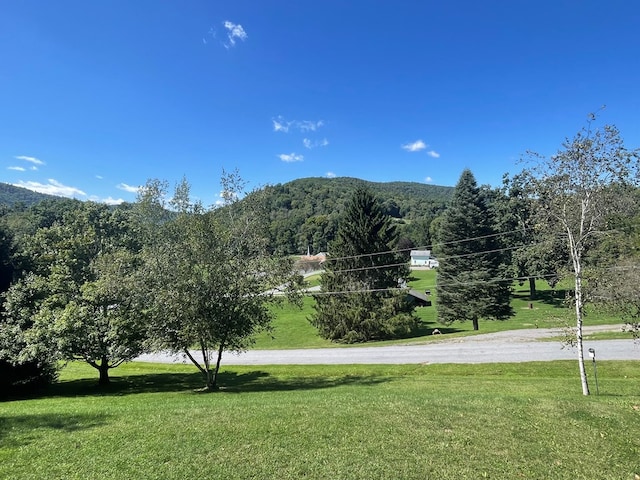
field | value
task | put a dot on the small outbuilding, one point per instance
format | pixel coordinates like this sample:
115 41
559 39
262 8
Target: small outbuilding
423 258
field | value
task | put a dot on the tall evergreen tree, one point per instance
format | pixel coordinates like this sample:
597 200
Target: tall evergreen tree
359 300
471 276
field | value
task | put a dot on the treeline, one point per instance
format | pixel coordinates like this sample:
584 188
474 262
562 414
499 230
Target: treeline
103 284
85 281
305 213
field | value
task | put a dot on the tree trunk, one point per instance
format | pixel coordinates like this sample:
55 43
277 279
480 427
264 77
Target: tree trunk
579 308
104 372
214 375
475 323
532 288
576 256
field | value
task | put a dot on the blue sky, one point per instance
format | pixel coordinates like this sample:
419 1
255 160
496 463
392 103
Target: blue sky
96 97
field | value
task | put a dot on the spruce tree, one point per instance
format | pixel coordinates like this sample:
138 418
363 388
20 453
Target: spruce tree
359 300
471 279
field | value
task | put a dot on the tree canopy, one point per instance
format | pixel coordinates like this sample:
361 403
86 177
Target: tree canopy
210 278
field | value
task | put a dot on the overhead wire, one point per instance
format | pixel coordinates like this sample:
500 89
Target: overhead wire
423 247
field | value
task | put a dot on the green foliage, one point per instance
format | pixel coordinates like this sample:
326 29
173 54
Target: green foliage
20 370
210 278
359 299
472 281
305 212
79 299
21 197
578 192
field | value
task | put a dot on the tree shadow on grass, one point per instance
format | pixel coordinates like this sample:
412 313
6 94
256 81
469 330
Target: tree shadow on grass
228 381
555 298
19 430
263 382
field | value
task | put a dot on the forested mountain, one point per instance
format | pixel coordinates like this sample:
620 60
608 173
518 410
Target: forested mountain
11 195
305 212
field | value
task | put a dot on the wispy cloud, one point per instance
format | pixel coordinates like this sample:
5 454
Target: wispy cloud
234 32
428 179
414 146
433 154
128 188
314 143
52 188
99 177
17 169
309 125
330 175
33 160
282 125
291 157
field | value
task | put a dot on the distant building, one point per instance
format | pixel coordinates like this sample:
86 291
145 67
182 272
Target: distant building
423 258
419 299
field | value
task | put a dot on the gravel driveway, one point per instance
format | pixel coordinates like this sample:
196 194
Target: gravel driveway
510 346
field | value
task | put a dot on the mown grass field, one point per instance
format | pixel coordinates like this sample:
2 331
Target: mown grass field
328 422
291 328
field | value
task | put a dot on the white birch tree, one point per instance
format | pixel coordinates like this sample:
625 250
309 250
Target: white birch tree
576 191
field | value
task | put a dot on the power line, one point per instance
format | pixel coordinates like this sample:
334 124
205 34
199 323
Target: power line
423 247
407 289
462 255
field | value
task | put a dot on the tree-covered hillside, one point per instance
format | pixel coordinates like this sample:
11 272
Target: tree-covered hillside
11 195
305 212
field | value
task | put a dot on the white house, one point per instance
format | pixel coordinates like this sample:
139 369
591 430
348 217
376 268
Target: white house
423 258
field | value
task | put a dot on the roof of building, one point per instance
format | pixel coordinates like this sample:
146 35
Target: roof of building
420 253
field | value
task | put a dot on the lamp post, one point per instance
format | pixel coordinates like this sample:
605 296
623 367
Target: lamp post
592 355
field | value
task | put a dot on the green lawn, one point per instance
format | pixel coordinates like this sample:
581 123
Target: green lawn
329 422
291 328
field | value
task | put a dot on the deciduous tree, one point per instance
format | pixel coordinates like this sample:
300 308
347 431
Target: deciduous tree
577 190
211 279
80 299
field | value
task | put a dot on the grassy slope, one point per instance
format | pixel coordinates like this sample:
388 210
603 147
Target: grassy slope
291 328
348 422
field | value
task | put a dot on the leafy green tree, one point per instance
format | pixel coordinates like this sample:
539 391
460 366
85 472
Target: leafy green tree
80 299
359 299
211 279
577 192
19 369
531 253
472 278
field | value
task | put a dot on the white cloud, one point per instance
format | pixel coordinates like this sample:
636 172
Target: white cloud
433 154
415 146
17 169
313 144
428 179
112 201
99 177
309 125
128 188
234 31
34 160
291 157
52 188
330 175
282 125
